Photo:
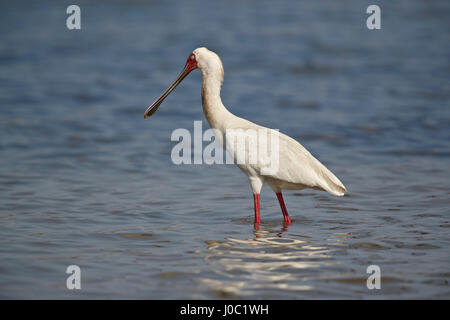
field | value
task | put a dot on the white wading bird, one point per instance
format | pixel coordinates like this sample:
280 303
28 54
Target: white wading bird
297 168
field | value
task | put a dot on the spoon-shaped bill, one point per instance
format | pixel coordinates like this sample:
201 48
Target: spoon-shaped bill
154 106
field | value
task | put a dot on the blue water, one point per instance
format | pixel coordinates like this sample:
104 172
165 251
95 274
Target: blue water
85 180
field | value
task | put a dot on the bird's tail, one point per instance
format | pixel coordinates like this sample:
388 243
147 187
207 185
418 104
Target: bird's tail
329 181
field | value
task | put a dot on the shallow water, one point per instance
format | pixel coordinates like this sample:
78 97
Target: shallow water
85 180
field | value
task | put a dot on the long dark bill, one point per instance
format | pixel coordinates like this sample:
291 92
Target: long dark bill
154 106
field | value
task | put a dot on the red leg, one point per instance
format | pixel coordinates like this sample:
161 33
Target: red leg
283 208
257 211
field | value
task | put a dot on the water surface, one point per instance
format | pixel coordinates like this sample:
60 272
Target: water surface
85 180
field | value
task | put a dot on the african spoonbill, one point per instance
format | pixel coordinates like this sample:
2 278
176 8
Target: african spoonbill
297 168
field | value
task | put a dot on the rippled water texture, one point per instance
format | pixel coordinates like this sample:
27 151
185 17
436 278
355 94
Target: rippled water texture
85 180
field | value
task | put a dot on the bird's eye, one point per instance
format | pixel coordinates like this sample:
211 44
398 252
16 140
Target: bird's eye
192 57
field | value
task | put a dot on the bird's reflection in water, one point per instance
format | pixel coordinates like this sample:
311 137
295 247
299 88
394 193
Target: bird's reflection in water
257 228
273 260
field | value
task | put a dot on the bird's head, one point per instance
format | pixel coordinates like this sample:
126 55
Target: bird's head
209 63
205 60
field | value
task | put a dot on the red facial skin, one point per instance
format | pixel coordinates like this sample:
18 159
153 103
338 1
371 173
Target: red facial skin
191 63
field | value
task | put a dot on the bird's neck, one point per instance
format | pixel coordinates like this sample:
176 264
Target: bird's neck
213 108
